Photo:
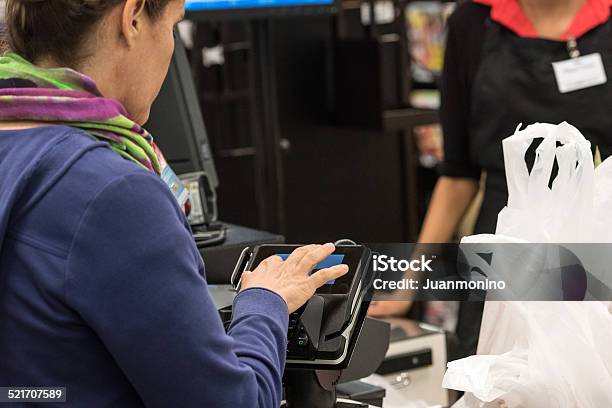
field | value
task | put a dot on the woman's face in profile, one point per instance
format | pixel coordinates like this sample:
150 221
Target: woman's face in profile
146 64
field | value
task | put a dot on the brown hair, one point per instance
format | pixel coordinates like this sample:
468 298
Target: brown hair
59 28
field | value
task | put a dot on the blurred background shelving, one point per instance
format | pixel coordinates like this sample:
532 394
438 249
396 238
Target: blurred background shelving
288 98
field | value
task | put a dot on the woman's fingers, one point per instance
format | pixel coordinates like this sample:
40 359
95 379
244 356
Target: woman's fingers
269 264
273 261
314 256
298 254
323 276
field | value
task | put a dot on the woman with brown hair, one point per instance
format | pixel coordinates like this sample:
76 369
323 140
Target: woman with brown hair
102 289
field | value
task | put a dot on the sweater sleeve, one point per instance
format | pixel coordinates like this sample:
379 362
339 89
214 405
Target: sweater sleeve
461 60
136 278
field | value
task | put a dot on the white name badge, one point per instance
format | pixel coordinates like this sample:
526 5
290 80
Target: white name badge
579 73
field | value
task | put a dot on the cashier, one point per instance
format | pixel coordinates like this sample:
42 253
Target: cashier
102 289
499 73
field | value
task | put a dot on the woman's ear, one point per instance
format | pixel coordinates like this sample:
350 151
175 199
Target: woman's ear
132 20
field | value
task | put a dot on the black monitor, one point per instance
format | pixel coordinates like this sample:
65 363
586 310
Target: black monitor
224 9
176 121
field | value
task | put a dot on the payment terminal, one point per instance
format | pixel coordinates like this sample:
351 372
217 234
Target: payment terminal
321 332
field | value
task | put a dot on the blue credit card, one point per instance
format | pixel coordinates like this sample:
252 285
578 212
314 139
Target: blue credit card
332 260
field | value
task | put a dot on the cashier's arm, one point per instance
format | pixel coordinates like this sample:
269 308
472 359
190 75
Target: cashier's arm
451 199
149 305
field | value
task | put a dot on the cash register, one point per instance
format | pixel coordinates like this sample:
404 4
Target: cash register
330 339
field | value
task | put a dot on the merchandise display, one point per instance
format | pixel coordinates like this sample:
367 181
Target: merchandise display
426 21
425 98
429 141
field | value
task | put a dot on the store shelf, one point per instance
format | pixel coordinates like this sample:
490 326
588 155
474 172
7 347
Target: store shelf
403 119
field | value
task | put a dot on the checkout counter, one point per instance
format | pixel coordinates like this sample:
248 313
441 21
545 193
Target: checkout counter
415 362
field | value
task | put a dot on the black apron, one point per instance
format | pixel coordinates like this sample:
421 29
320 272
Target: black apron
515 83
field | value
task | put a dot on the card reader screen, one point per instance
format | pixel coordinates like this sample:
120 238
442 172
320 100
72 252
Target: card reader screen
332 260
355 257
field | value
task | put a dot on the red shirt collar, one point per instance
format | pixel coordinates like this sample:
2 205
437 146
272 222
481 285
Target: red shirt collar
510 14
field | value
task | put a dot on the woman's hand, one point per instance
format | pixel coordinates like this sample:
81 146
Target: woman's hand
290 278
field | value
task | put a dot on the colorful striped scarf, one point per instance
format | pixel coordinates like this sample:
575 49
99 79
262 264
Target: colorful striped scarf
64 96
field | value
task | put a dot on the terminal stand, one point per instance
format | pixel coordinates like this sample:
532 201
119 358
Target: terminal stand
307 388
311 388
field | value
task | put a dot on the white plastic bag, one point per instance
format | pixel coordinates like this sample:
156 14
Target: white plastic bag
545 354
536 212
602 202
